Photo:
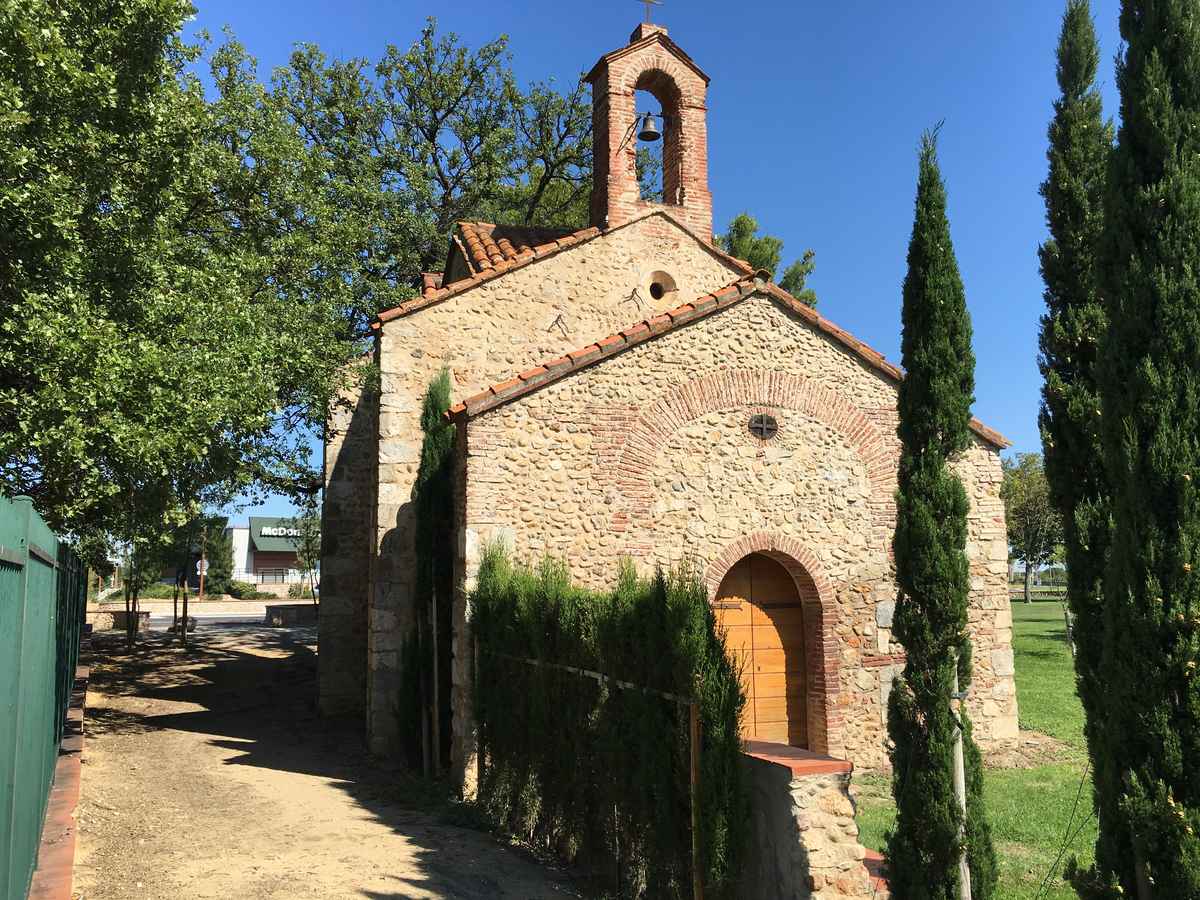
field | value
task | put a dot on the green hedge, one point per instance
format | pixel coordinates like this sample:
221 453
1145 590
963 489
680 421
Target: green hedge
598 773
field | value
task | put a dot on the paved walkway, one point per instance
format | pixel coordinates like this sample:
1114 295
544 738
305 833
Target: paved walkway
208 775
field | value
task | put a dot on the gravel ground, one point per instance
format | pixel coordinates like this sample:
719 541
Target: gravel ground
207 774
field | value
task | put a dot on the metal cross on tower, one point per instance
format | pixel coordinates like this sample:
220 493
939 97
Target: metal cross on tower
649 5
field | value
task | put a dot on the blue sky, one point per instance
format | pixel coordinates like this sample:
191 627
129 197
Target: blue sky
814 114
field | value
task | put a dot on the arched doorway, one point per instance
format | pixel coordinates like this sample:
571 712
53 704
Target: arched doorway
760 607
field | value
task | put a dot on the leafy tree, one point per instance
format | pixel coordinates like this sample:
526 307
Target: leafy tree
649 174
218 551
924 846
1034 524
308 544
795 278
1080 143
431 135
742 240
1150 399
174 306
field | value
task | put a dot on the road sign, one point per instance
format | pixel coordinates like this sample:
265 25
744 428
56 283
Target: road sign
202 567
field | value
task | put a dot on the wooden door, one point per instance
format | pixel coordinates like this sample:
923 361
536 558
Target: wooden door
759 607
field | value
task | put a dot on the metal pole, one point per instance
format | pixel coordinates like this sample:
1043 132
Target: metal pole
694 789
960 793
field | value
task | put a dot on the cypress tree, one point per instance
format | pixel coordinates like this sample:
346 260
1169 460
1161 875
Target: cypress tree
1150 393
932 573
1074 323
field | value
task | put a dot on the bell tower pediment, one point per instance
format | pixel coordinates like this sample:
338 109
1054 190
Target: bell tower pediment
650 62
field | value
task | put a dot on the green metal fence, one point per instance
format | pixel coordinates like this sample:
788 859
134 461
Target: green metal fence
42 594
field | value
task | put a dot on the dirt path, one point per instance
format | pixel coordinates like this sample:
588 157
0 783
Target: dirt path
208 775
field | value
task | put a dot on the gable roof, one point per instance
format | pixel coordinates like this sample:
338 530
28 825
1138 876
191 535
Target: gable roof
657 36
648 329
486 245
522 253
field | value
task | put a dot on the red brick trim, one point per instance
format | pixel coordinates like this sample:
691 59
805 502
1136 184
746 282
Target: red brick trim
821 645
799 761
657 37
759 388
886 659
53 877
701 307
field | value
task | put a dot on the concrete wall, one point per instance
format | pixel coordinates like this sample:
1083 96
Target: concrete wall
648 455
483 336
243 559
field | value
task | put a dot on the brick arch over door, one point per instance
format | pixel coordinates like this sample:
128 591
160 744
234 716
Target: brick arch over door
659 420
820 618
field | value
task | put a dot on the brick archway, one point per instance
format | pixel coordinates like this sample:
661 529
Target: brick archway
820 614
638 450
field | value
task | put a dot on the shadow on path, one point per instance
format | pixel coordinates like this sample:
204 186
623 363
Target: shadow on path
255 689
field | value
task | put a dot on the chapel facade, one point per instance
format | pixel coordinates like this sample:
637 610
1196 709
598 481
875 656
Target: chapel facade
628 390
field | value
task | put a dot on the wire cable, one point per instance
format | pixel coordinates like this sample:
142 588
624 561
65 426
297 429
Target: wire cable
1068 836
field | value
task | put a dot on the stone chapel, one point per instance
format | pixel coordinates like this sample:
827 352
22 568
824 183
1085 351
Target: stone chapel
629 390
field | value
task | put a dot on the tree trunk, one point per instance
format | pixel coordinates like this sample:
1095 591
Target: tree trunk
183 626
128 601
203 565
1028 582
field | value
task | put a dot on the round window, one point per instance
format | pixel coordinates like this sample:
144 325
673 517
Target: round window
661 287
763 426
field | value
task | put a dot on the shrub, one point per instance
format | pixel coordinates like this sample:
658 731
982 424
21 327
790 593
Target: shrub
240 589
244 590
593 770
300 592
157 591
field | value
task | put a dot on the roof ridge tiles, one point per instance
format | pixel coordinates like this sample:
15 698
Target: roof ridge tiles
660 323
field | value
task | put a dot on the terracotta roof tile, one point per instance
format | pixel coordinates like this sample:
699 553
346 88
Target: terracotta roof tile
489 245
651 328
513 246
430 281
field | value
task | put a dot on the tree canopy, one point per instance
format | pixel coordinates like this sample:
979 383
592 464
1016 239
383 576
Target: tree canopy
1150 404
932 572
187 276
741 239
1034 523
1080 143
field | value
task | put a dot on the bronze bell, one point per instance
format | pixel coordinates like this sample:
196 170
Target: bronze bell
649 131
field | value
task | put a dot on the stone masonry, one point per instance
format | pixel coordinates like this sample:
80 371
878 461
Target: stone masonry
347 517
646 454
803 838
637 445
483 335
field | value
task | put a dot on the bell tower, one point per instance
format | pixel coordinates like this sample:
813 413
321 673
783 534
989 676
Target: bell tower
650 62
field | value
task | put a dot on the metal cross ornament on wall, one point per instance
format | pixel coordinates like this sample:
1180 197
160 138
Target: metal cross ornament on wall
763 427
649 4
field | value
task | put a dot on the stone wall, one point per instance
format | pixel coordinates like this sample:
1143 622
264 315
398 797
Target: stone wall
803 837
647 455
347 520
485 335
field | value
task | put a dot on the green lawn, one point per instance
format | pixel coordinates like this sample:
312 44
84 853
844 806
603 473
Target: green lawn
1029 808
